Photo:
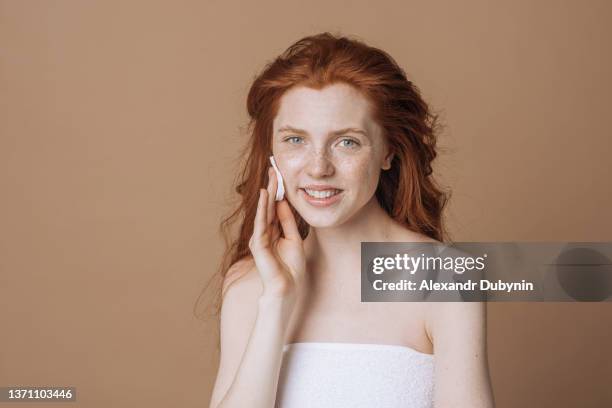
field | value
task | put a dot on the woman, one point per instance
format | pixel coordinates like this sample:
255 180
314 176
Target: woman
354 142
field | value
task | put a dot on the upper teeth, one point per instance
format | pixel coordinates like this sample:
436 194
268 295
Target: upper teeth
321 193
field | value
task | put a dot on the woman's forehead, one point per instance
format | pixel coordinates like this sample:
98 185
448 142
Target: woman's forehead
335 107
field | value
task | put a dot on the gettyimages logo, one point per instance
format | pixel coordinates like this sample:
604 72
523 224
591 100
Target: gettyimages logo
473 271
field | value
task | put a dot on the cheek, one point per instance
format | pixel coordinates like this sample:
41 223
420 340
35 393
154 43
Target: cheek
290 164
361 172
357 172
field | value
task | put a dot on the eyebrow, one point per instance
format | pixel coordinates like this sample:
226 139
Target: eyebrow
292 129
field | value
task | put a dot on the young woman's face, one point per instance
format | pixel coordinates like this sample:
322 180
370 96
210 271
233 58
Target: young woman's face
327 140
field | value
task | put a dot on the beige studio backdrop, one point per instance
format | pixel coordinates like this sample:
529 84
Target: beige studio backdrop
120 125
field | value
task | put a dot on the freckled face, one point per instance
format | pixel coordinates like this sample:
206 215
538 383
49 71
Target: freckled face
327 137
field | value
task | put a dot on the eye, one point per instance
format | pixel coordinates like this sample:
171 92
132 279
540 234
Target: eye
353 145
291 138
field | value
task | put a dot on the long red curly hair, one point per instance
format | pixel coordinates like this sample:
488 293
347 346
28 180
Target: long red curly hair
407 191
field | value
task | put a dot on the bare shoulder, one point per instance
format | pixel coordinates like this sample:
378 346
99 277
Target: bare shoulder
242 288
242 276
404 234
459 338
446 321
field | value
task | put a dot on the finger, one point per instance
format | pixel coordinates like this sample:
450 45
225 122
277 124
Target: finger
272 195
259 245
287 221
272 208
275 230
259 225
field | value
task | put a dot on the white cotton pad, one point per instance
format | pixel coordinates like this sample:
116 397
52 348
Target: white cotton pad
280 188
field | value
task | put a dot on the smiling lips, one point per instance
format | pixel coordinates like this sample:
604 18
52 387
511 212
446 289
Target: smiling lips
322 193
321 196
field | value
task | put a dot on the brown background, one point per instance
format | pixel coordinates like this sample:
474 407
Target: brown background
119 123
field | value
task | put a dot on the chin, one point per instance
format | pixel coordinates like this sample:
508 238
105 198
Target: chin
318 223
322 219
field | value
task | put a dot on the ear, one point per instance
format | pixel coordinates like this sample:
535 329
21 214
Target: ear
388 160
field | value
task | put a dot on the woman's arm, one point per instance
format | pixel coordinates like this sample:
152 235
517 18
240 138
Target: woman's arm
462 378
252 337
256 310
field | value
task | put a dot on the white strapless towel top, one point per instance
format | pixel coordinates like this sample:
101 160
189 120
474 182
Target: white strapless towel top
343 375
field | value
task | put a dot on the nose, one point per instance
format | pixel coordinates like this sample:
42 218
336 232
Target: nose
319 165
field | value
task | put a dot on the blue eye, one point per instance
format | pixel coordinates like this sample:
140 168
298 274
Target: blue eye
292 137
355 143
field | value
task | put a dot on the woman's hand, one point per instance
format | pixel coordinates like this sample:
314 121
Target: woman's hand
281 262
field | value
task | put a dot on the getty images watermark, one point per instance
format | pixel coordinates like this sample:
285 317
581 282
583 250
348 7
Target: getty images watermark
478 271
